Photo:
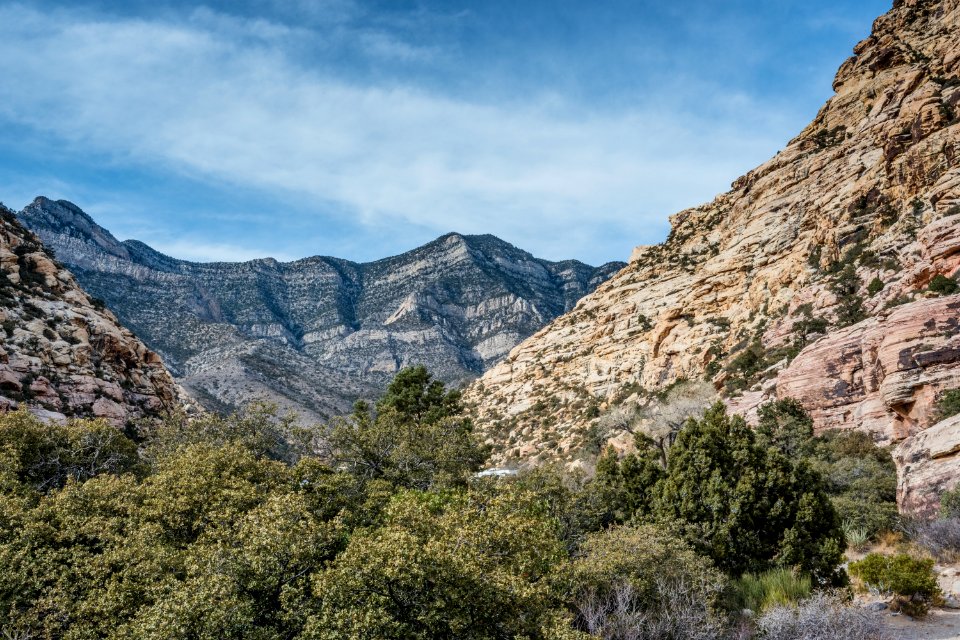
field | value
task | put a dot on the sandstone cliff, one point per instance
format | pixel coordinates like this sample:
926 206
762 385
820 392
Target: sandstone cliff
315 334
810 278
62 354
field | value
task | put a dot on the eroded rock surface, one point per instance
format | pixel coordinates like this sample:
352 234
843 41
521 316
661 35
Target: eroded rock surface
828 249
61 353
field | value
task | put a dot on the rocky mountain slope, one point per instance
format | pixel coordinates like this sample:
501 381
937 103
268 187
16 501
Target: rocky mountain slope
61 353
824 274
314 334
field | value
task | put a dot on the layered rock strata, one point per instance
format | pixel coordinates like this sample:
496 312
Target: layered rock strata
831 249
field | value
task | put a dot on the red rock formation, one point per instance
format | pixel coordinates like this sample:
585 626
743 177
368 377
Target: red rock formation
61 353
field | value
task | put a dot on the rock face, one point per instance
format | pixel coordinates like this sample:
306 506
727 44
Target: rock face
828 250
315 334
62 354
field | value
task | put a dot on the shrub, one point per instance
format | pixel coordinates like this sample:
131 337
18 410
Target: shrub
910 578
747 507
941 538
950 503
777 587
861 479
846 286
942 285
857 537
948 404
875 286
821 616
641 582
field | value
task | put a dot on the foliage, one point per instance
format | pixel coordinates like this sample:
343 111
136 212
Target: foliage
940 538
950 503
785 425
45 456
846 286
257 427
443 566
861 479
943 285
876 286
948 404
912 579
417 439
625 488
823 615
746 507
857 537
776 587
640 581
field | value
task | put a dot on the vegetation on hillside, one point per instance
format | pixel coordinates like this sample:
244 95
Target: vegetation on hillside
244 527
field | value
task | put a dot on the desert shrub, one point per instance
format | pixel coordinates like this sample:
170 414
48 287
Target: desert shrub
950 503
745 367
941 538
642 582
948 404
747 507
846 286
823 616
861 479
857 537
876 286
418 437
785 425
471 566
46 455
911 579
258 427
943 285
759 592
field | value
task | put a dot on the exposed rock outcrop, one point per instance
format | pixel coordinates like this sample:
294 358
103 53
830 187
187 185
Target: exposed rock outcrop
841 234
315 334
62 354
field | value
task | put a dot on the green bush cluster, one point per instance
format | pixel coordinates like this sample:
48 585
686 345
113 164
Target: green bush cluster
911 579
235 527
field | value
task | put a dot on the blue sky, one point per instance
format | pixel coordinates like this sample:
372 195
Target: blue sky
234 130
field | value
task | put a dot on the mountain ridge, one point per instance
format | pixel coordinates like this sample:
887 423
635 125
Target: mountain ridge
456 304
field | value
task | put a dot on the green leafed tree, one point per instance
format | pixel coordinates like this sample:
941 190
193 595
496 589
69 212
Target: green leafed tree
417 438
746 507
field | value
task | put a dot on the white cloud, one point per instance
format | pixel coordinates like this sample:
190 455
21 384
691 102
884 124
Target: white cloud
197 98
213 252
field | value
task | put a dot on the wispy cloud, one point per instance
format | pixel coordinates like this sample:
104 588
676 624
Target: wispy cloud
218 98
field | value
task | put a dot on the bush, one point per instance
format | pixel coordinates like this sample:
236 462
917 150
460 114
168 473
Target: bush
943 285
875 286
950 503
857 537
641 582
747 507
941 538
861 479
760 592
821 617
910 578
948 404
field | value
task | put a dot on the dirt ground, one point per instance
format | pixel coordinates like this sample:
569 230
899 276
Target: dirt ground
940 624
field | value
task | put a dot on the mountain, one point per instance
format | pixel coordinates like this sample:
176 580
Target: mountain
824 274
315 334
61 353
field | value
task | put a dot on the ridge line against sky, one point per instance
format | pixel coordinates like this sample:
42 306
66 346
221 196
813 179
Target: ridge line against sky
255 128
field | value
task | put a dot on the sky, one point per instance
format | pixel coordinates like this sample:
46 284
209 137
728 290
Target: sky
361 129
